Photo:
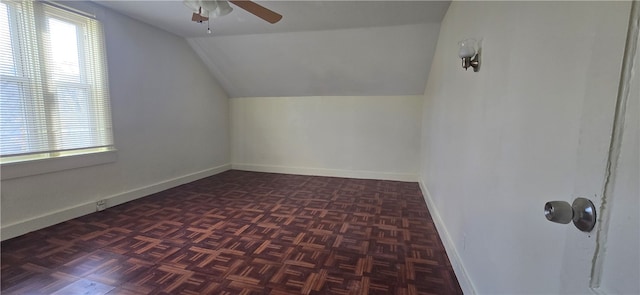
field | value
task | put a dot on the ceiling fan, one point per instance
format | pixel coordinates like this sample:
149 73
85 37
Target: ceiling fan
205 9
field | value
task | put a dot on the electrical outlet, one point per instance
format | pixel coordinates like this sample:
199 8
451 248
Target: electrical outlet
101 205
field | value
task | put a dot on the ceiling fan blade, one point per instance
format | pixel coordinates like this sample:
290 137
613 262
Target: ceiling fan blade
199 18
258 10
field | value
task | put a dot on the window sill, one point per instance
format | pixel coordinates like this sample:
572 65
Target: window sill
49 165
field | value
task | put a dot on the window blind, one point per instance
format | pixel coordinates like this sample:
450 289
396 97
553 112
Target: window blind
54 97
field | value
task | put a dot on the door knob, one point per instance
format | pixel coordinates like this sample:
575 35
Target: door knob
582 212
558 211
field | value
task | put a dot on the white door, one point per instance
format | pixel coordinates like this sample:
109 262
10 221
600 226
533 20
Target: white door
607 259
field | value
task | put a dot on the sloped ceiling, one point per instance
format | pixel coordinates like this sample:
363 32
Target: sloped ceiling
319 48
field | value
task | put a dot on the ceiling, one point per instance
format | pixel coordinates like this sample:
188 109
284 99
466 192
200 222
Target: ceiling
319 48
175 17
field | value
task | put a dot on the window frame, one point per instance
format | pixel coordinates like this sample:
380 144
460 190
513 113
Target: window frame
39 81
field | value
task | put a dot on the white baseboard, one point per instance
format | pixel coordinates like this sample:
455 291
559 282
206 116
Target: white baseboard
35 223
327 172
456 263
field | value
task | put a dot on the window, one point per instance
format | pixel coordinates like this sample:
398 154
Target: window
54 98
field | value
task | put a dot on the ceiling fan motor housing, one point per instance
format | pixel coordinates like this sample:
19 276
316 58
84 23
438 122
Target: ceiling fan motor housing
209 8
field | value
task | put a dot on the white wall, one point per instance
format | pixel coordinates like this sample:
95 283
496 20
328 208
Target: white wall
170 120
392 60
498 144
368 137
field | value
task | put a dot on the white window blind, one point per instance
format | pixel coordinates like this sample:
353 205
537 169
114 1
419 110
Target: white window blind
54 98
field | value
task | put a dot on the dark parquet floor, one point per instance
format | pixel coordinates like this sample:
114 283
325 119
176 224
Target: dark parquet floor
242 233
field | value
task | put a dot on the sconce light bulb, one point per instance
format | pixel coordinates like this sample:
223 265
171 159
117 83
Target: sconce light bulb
467 48
208 31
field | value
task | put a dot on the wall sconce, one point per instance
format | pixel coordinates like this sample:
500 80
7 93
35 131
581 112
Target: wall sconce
470 57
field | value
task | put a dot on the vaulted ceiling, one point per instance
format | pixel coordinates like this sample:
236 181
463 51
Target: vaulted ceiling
319 48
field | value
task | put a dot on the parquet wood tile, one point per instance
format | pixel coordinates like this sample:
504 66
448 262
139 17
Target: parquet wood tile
242 233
